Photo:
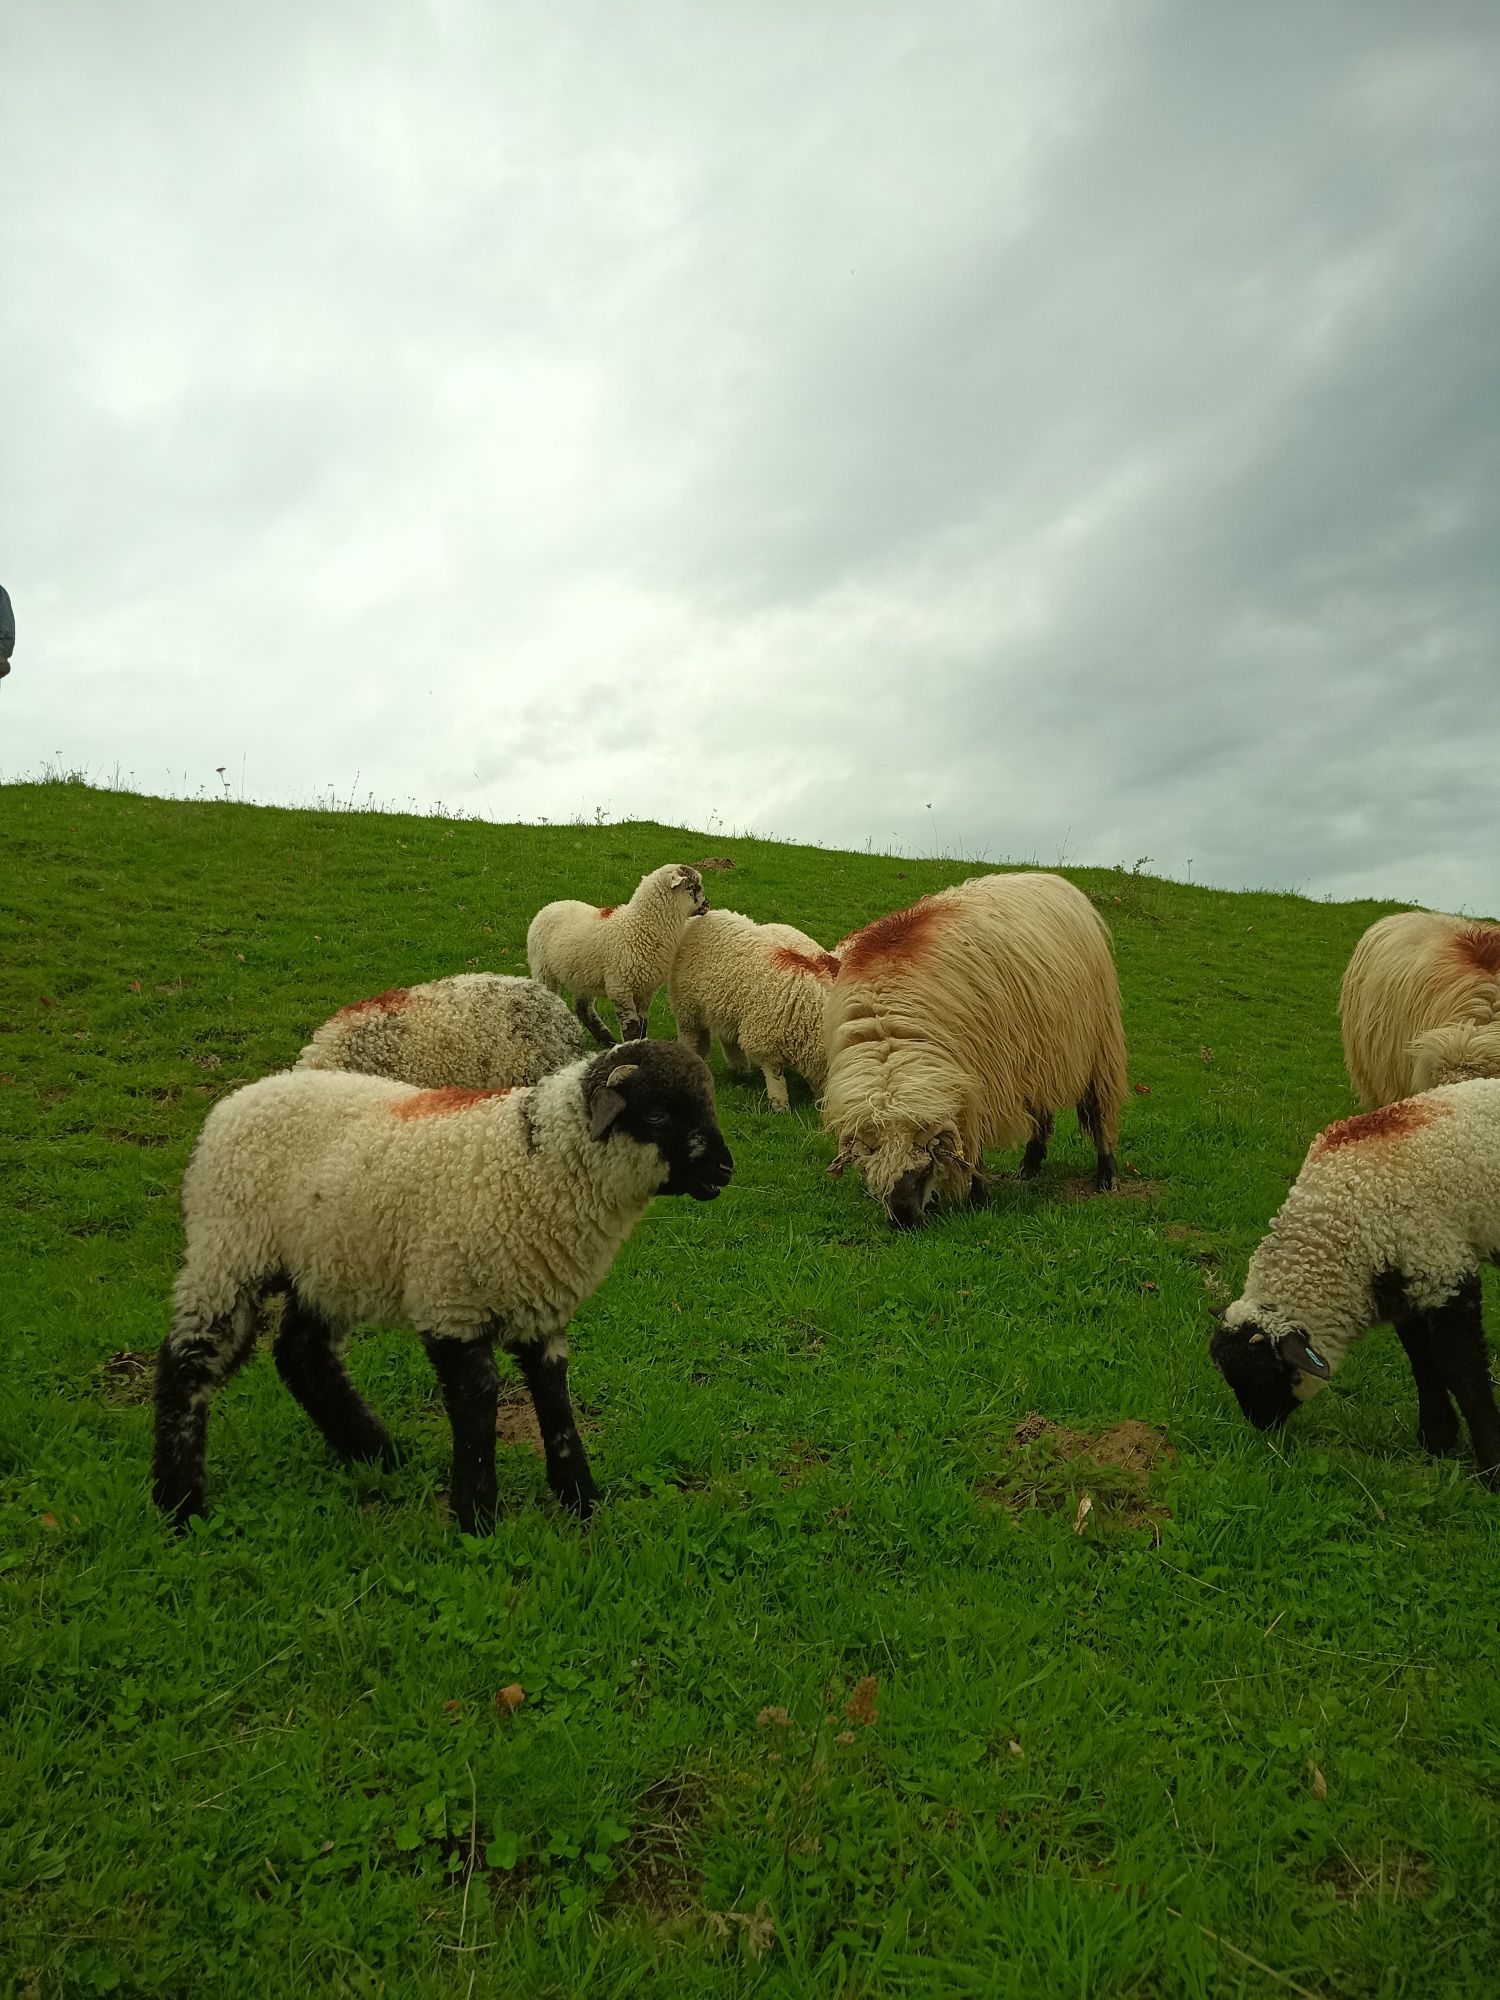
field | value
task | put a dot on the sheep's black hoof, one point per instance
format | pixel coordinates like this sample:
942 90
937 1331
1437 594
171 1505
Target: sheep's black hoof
579 1500
1106 1174
1438 1443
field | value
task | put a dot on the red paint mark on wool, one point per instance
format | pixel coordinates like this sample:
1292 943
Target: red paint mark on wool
442 1103
609 909
390 1002
899 939
1479 947
821 964
1391 1121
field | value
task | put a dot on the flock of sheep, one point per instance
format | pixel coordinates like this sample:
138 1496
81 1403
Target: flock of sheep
455 1157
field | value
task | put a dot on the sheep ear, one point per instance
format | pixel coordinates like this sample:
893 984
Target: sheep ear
1296 1352
604 1111
619 1073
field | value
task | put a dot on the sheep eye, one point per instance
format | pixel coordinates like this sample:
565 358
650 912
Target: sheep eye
658 1118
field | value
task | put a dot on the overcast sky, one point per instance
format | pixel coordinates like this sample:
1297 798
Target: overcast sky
1046 429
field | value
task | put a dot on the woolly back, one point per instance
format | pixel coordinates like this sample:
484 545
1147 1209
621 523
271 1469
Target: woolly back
969 1007
1412 977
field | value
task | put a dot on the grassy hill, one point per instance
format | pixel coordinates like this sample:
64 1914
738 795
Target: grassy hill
1231 1732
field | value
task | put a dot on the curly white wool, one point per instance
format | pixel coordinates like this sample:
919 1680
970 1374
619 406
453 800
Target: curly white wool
1420 1005
759 990
624 953
1408 1193
965 1021
439 1209
475 1031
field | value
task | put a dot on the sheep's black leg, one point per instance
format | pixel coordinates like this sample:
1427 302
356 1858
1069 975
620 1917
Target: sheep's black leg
1091 1125
1036 1145
470 1382
1456 1333
195 1361
632 1027
309 1362
588 1015
1437 1420
544 1363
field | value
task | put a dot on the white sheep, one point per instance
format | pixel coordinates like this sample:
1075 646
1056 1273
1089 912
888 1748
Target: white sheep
1389 1220
624 952
758 989
1420 1005
474 1216
966 1021
474 1031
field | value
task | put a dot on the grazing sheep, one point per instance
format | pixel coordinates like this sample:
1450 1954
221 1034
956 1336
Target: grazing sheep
1390 1219
623 952
475 1031
1420 1005
759 989
474 1216
966 1021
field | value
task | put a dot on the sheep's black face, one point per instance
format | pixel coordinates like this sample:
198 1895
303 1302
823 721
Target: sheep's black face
908 1199
662 1095
1264 1369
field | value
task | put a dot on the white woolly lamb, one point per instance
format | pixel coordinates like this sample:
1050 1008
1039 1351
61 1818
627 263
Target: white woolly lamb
758 989
475 1031
471 1215
966 1021
1390 1219
1420 1005
624 952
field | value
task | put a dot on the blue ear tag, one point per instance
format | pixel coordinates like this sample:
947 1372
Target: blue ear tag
1318 1364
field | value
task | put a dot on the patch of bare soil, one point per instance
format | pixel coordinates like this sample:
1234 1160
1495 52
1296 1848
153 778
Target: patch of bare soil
1130 1187
515 1422
127 1377
658 1879
1395 1875
1105 1478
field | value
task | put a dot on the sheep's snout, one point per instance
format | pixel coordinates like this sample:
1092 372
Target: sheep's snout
907 1200
706 1176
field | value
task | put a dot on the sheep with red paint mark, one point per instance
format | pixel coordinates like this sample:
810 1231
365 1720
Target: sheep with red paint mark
758 989
1420 1005
1390 1220
966 1021
623 952
475 1031
474 1216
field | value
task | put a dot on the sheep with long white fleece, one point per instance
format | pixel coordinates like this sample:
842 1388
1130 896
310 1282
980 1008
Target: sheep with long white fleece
1420 1005
473 1216
473 1031
757 989
966 1021
1390 1219
624 952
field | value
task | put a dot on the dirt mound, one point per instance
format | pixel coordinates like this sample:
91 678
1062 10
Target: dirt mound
1059 1468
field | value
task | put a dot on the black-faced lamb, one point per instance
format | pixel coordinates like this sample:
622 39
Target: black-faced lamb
1420 1005
476 1217
473 1031
623 952
966 1021
758 989
1390 1219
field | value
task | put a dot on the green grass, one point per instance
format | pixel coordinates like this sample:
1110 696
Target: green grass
266 1759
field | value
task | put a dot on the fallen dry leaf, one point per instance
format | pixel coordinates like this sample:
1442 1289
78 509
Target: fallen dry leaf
860 1707
1014 1747
1317 1781
50 1521
759 1930
1141 1089
1081 1518
510 1698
